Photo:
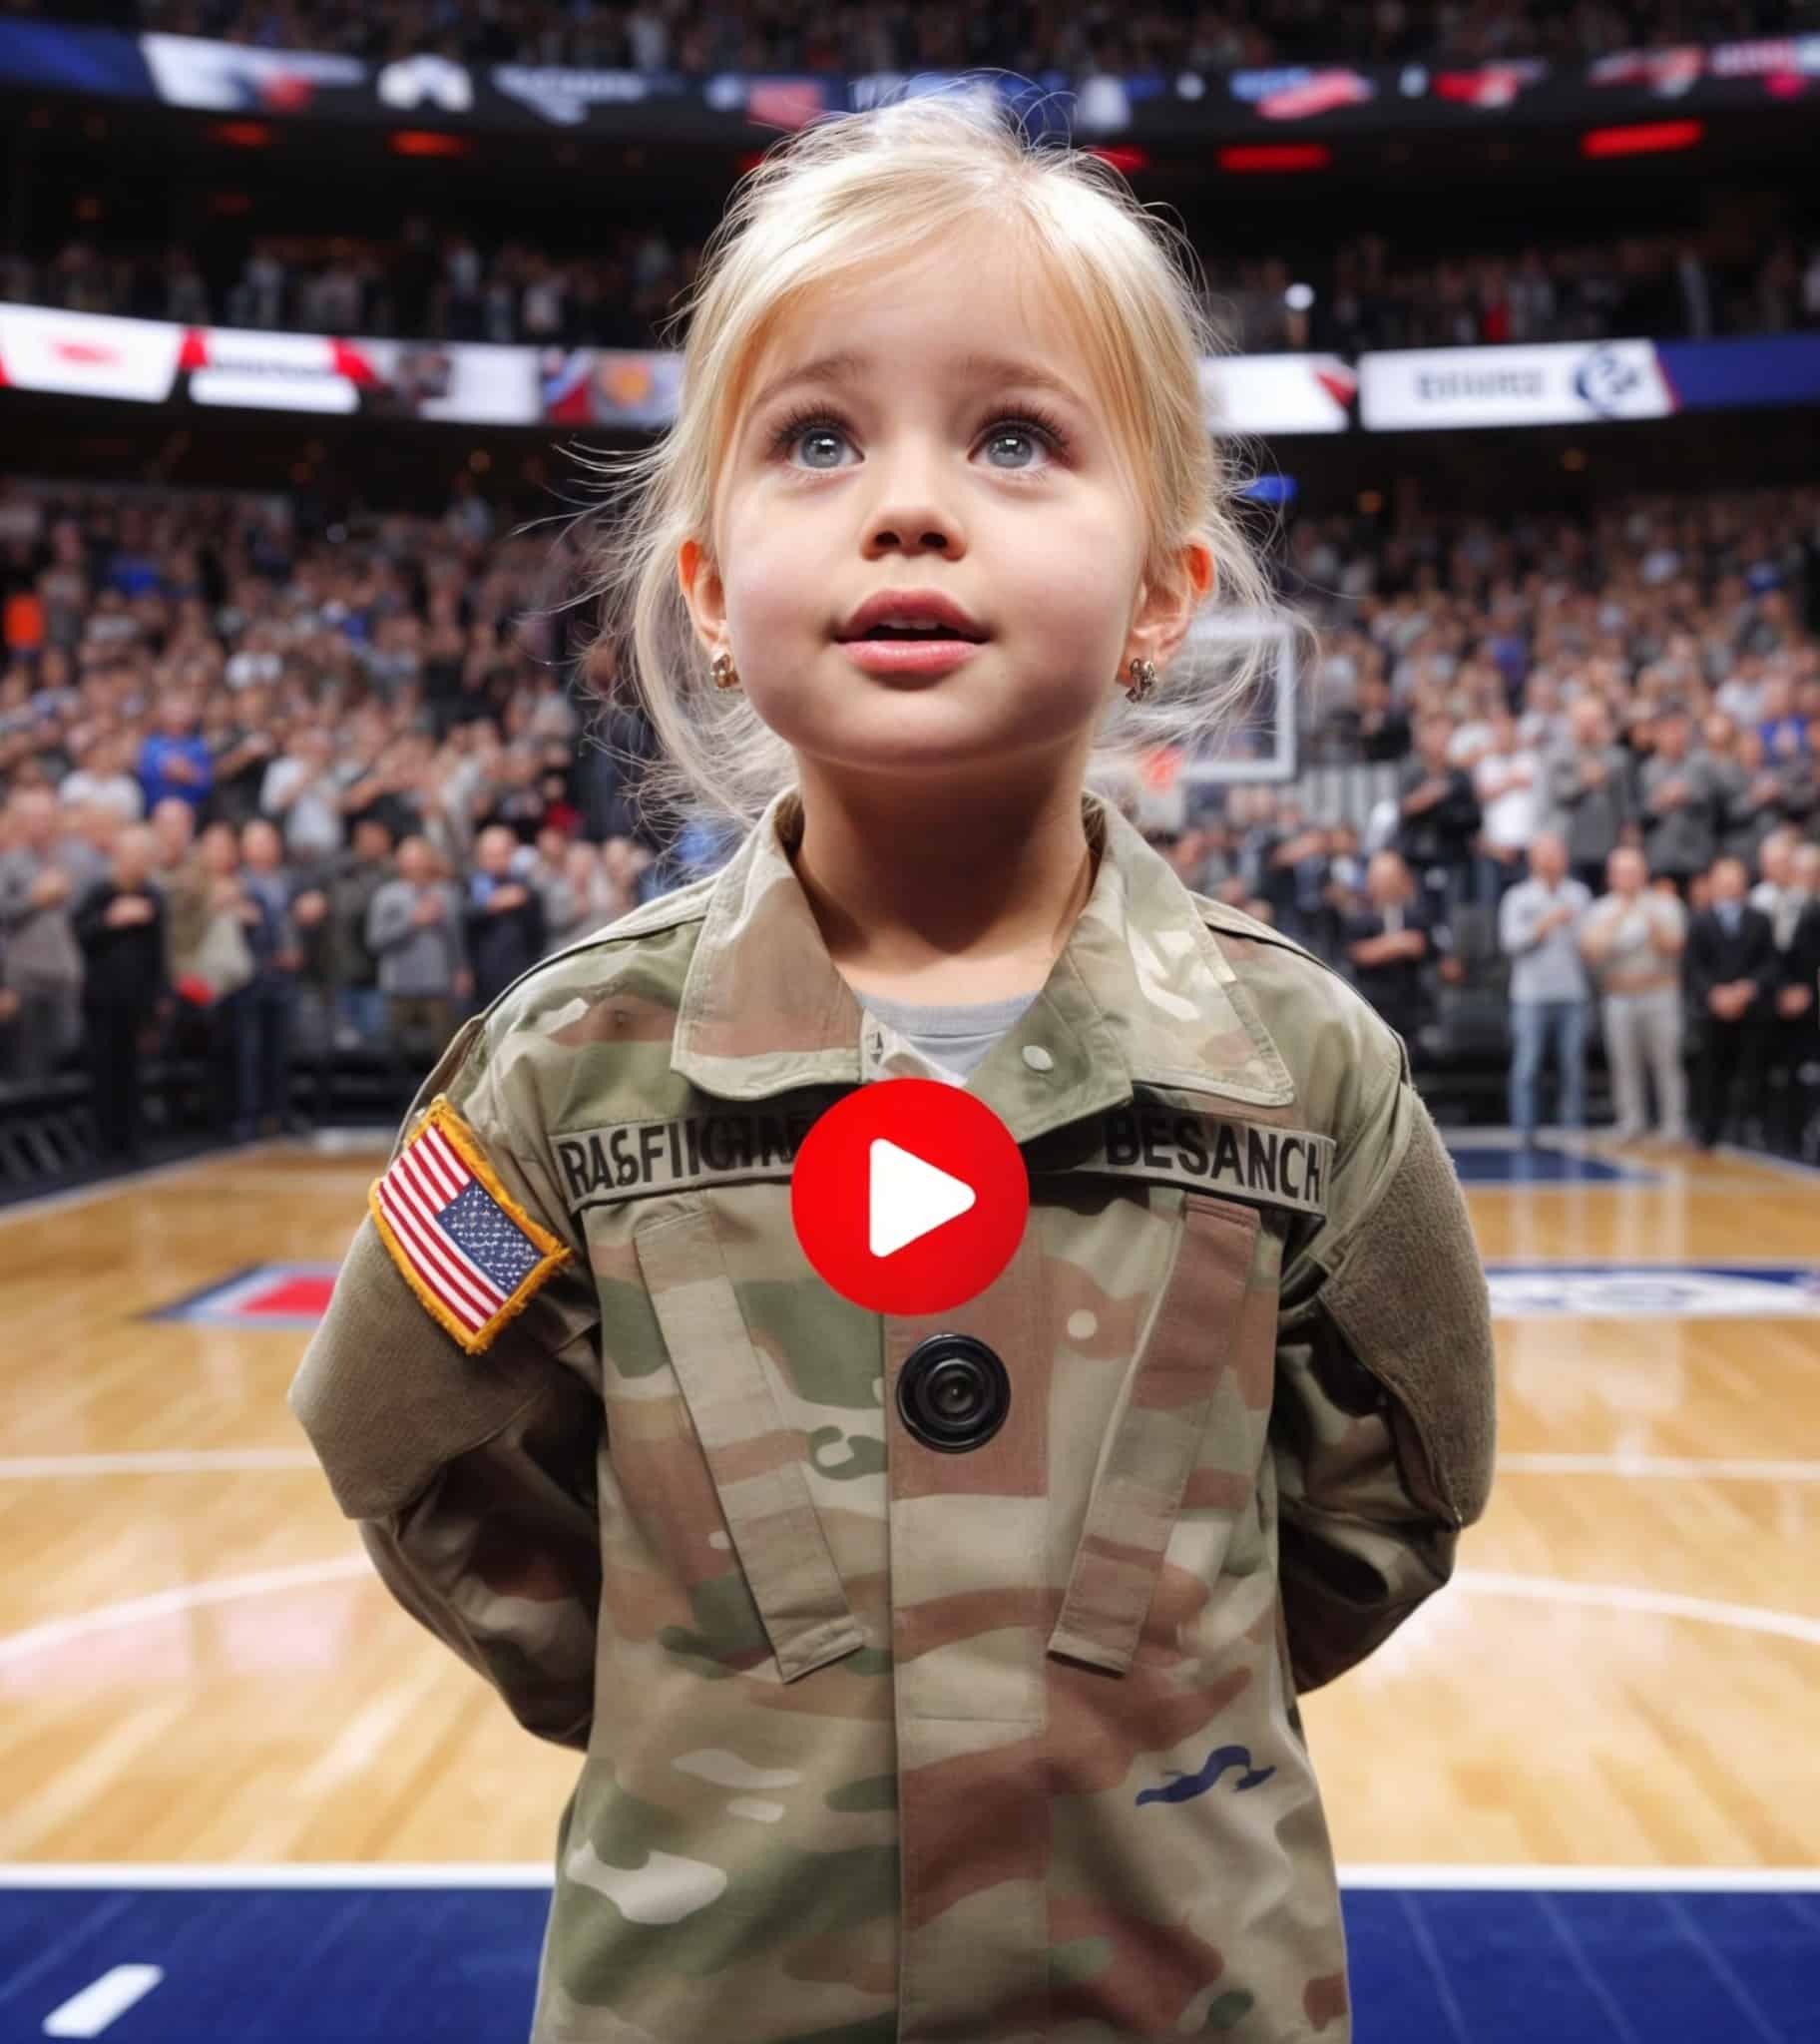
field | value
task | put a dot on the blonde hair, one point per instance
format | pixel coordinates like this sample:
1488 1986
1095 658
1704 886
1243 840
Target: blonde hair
818 208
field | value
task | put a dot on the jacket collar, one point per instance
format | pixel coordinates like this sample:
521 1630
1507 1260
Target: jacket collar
1142 994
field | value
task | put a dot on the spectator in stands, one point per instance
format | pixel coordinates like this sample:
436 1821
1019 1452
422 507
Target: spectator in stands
346 963
503 919
222 975
591 897
517 799
177 877
1732 972
276 957
1294 874
1380 729
387 792
1386 942
1780 723
1798 1004
1509 780
175 760
1590 785
625 863
413 927
1344 893
1777 893
1632 939
1759 797
249 746
1439 815
1787 895
302 792
119 925
1539 930
182 885
42 960
103 776
1678 796
91 830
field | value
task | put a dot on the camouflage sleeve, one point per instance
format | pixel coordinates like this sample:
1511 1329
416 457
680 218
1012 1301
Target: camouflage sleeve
1383 1424
471 1472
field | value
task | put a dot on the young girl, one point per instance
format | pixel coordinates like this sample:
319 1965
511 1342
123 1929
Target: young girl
896 1735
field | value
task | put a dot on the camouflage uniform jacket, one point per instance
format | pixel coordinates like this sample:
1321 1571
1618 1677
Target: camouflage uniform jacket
888 1744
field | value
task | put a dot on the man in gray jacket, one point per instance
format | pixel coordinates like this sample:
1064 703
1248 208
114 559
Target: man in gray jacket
1680 795
42 962
413 928
1590 785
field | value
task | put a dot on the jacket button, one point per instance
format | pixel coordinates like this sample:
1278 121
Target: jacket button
953 1393
1038 1059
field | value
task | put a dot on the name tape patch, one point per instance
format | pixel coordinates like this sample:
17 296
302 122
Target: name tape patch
1202 1152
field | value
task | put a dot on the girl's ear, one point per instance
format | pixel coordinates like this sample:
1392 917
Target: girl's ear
701 590
1166 609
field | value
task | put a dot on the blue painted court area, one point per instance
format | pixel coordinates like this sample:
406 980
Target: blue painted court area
405 1966
1489 1163
1669 1292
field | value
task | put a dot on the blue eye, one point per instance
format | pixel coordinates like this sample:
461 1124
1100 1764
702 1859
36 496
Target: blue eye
1030 424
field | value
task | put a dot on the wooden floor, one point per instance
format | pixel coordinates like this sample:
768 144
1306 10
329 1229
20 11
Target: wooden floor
196 1663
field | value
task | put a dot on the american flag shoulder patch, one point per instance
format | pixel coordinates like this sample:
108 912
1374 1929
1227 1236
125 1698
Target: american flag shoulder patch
465 1245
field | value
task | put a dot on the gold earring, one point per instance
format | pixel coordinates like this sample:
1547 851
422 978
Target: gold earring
1143 678
723 669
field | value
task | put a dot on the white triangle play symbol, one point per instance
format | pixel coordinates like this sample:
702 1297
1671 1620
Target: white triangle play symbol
907 1198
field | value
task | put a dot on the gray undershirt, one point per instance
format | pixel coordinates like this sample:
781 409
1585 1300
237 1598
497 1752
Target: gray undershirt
954 1035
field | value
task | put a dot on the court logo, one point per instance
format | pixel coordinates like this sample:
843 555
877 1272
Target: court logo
1666 1291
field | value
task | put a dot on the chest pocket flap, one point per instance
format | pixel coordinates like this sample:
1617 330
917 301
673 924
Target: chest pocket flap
757 1461
1155 1438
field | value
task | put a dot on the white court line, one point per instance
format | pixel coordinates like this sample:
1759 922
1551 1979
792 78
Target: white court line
1750 1617
89 2013
1721 1880
531 1873
1544 1267
56 1632
1716 1468
1756 1617
128 1181
155 1462
1791 1166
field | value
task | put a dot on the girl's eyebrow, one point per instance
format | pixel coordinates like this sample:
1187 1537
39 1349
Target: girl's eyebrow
844 365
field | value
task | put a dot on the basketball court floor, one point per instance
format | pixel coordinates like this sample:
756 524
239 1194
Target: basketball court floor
243 1796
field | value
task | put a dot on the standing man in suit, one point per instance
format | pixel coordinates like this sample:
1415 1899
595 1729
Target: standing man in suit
1732 974
1387 941
120 924
1798 1002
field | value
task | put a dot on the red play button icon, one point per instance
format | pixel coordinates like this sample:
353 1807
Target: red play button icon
909 1196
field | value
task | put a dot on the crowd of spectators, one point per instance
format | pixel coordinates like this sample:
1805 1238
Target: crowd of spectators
339 786
264 798
447 286
1642 693
422 284
884 37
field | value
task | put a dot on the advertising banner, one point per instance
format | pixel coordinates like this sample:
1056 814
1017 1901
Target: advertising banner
146 361
1256 105
1560 383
